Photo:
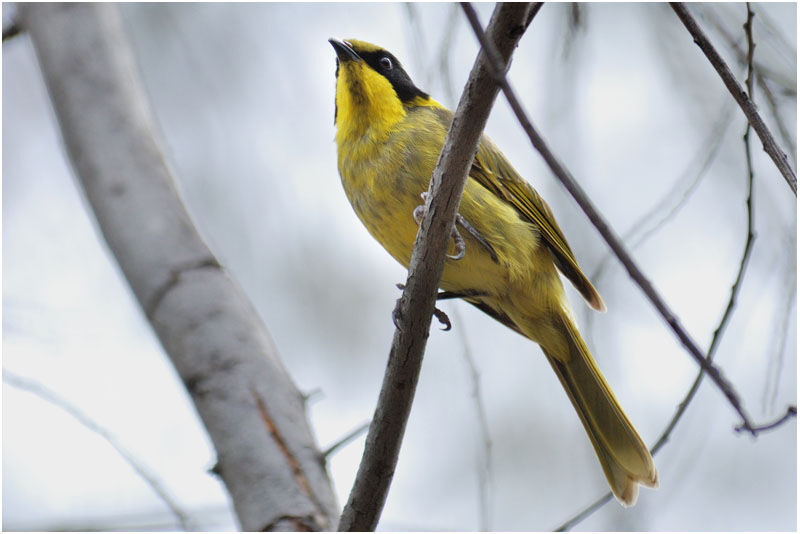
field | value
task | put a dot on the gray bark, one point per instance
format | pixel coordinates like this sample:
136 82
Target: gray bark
416 306
223 352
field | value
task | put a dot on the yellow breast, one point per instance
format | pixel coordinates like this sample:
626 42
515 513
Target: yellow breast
384 174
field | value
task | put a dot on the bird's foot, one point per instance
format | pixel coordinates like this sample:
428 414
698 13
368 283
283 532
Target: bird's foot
439 314
474 233
458 241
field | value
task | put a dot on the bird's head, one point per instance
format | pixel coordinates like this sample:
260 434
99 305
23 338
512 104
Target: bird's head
372 88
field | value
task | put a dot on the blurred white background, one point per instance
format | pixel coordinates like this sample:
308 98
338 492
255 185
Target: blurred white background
244 95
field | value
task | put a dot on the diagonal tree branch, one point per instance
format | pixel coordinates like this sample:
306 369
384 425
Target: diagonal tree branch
744 262
726 316
416 305
712 349
347 438
46 394
786 84
674 200
608 234
254 414
745 102
790 413
583 514
764 77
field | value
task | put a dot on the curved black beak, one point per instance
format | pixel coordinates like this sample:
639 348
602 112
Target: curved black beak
343 51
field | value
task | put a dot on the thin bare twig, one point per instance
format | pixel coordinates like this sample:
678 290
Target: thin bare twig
415 307
341 442
777 116
791 413
775 37
776 363
787 84
763 76
669 205
642 229
716 338
417 40
576 23
485 470
208 518
583 514
605 230
726 316
737 284
138 466
751 48
770 146
445 51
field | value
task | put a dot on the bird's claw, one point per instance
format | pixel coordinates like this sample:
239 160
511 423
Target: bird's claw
439 314
419 211
471 229
396 315
458 241
443 319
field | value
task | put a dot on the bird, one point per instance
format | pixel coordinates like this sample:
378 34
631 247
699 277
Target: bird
389 134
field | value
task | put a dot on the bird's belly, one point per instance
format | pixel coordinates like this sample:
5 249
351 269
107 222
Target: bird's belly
384 183
387 211
516 278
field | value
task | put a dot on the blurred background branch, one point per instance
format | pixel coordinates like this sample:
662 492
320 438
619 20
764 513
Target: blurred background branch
31 386
754 118
484 463
677 197
252 411
243 100
727 314
765 76
610 237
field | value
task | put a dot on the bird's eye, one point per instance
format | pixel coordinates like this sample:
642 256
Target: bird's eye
386 63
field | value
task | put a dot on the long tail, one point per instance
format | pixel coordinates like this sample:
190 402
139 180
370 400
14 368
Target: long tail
623 456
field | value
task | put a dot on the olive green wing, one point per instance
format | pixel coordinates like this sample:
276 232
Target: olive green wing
493 171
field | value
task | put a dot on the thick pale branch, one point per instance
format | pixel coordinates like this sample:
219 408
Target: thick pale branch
740 95
416 306
254 414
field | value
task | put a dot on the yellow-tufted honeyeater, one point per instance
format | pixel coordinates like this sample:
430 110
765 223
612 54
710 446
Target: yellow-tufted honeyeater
506 259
